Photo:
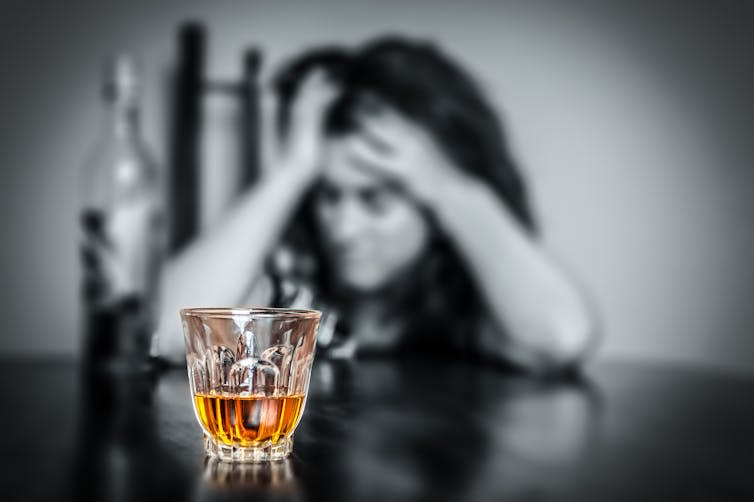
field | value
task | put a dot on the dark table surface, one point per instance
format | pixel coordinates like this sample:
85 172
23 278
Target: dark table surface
382 430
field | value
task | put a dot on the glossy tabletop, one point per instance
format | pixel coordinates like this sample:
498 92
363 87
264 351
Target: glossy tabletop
390 430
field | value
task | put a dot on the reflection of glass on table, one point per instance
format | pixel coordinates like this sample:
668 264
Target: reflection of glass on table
220 479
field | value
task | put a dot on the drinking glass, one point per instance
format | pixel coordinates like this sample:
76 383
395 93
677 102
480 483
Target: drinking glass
249 375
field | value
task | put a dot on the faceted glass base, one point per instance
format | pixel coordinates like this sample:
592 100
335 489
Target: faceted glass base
277 451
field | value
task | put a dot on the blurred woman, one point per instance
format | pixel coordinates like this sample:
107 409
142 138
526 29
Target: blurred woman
398 206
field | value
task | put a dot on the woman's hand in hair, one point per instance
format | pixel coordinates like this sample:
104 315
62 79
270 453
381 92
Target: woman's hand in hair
544 319
302 145
393 147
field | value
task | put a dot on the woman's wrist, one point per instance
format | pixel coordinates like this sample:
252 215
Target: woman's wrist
450 188
293 174
461 199
305 165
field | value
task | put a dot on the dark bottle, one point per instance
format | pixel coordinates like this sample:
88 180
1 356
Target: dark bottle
122 231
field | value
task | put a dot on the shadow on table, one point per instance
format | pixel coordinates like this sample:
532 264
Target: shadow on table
372 430
119 452
379 430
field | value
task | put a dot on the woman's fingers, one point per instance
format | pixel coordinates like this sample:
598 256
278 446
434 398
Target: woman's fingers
377 141
367 154
363 155
310 106
314 97
388 129
301 140
397 149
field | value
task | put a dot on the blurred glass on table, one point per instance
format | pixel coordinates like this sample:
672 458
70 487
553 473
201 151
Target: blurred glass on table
249 373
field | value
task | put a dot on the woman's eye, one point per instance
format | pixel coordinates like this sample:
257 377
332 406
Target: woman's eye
329 195
375 200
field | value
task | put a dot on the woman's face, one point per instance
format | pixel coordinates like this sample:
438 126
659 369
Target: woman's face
370 232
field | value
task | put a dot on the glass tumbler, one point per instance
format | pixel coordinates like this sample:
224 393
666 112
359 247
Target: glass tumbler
249 375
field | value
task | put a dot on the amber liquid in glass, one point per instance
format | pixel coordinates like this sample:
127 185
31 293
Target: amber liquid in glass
248 420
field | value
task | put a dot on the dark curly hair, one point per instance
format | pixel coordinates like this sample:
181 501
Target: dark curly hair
423 84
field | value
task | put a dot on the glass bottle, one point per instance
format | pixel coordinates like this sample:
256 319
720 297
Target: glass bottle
123 235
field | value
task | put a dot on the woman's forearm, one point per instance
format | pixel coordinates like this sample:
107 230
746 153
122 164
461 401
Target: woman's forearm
216 269
546 317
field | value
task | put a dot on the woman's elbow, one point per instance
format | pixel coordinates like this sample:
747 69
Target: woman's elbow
564 343
573 338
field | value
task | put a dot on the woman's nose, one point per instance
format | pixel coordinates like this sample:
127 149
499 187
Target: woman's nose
349 220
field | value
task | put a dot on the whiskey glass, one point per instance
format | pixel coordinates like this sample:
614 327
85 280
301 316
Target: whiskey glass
249 372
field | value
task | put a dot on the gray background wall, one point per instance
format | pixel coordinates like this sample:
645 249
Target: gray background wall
632 123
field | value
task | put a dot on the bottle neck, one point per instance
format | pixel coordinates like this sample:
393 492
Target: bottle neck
122 120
